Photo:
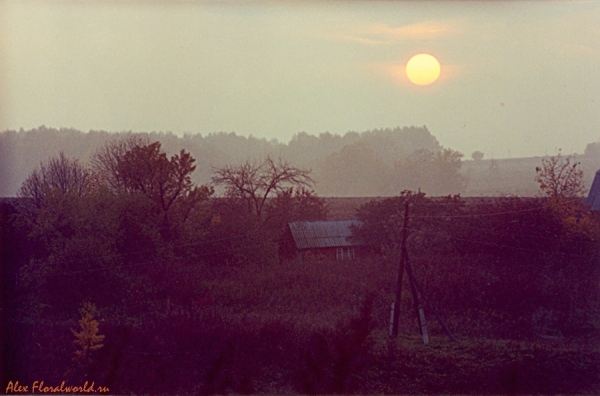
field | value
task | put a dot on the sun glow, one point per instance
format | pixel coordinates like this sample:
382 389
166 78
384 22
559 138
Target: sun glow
423 69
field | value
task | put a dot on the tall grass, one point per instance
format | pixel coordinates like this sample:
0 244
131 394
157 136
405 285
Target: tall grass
309 327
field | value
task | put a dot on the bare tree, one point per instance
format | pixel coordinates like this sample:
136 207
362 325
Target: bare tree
560 177
61 174
254 183
105 161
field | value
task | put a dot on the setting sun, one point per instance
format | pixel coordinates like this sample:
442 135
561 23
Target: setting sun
423 69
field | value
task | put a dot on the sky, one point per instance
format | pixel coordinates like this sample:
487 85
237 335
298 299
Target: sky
517 79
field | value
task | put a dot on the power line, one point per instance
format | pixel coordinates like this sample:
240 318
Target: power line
504 246
262 231
479 214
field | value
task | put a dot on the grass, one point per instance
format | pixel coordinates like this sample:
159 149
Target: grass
306 313
308 327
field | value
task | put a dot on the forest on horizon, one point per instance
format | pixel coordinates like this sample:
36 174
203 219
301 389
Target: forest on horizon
378 162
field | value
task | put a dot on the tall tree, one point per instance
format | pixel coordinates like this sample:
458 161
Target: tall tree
561 181
165 183
560 177
105 161
72 230
356 170
294 205
254 183
428 231
134 166
477 155
437 173
58 174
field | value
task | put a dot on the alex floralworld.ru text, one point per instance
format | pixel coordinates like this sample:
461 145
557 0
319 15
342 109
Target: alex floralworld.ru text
38 386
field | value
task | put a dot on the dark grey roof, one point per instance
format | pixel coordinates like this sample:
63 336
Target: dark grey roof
593 198
321 234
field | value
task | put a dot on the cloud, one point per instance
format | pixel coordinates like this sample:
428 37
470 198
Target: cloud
580 49
416 31
384 34
360 39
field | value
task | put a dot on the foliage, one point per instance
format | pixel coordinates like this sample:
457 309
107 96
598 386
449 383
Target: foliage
75 241
389 145
294 205
118 237
436 173
355 169
234 237
87 339
165 182
477 155
592 149
383 221
159 204
561 181
58 174
509 257
106 160
260 199
304 328
514 284
335 360
560 177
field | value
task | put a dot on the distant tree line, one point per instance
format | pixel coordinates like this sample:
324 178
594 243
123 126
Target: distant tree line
379 162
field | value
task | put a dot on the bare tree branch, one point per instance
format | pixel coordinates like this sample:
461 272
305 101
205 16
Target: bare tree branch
62 174
105 161
254 183
560 177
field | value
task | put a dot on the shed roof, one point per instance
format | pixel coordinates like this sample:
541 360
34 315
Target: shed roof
323 234
593 198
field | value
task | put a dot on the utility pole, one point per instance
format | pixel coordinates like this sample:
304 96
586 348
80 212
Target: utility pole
431 308
415 290
396 312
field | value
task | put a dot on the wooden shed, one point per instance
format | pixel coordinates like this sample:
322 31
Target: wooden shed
321 239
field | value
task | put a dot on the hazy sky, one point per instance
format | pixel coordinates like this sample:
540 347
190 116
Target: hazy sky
518 78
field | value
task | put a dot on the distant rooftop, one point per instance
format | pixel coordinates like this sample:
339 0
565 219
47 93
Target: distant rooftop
323 234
